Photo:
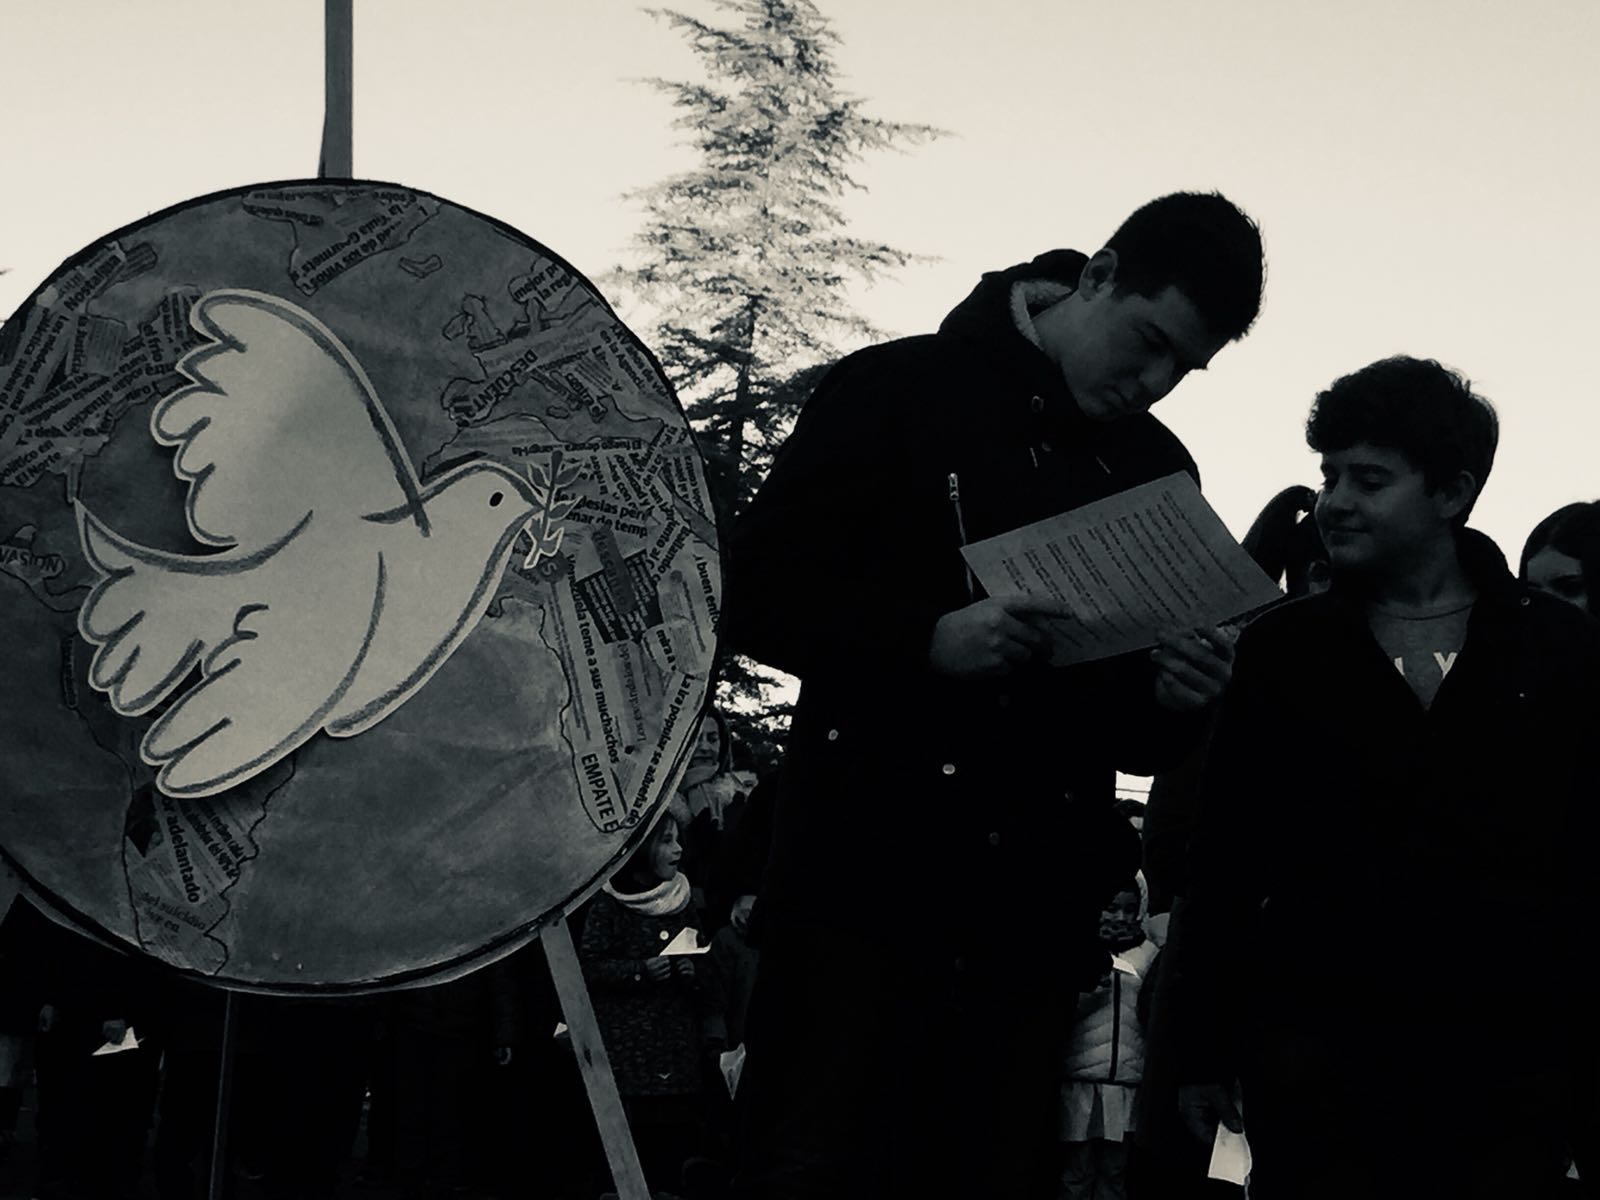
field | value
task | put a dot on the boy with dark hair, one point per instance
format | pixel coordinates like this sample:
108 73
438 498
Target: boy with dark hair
1417 407
945 836
1377 745
1196 243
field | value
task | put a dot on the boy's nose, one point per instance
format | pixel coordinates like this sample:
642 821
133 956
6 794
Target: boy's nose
1333 499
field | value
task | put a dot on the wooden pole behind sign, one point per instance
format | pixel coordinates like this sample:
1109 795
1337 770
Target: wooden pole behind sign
595 1067
219 1131
336 118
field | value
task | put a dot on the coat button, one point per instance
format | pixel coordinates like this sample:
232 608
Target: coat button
1036 403
960 964
1526 602
1003 699
1068 796
994 839
948 768
833 735
663 935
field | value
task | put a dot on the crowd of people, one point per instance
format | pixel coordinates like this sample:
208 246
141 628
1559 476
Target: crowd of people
934 955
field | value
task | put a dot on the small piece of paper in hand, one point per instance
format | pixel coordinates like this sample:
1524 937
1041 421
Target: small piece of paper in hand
685 943
732 1064
128 1042
1121 964
1156 927
1230 1156
561 1027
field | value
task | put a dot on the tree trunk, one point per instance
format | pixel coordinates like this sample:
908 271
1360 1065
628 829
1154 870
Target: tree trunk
741 407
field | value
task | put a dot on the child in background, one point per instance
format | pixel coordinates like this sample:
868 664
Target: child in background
657 1014
713 801
1105 1059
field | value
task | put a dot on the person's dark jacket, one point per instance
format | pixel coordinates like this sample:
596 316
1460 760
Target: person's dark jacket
1170 814
738 868
656 1032
1364 864
945 818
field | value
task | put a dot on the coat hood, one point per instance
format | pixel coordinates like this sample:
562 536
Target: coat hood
987 314
991 320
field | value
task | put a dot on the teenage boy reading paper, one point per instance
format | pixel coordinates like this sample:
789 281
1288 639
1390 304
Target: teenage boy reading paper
945 838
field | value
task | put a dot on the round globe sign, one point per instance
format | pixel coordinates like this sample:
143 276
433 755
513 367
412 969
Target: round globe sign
360 585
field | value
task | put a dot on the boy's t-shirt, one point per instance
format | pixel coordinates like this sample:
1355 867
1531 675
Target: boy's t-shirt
1423 647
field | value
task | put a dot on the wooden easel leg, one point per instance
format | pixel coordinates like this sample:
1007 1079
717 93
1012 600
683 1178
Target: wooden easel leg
601 1085
219 1131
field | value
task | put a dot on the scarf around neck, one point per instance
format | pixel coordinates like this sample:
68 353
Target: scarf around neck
710 795
660 901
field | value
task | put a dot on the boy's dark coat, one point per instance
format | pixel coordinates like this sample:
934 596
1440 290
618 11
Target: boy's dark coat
1363 864
948 819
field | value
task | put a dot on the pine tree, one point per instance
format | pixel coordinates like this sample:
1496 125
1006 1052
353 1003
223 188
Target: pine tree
745 257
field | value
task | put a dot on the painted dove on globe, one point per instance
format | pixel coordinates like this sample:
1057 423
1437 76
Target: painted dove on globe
340 581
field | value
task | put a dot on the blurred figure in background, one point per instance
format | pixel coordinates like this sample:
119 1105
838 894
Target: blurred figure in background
443 1043
1562 559
190 1028
713 799
18 1022
94 1110
658 1013
1105 1059
1562 555
541 1133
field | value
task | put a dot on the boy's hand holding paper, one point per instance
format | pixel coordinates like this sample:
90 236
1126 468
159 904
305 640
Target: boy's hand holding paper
1192 668
994 636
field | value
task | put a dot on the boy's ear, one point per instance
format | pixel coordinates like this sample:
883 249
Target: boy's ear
1099 274
1455 495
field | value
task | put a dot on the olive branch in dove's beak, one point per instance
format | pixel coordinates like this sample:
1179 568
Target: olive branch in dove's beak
544 526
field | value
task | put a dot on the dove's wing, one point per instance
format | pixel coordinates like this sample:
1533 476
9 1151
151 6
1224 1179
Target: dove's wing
280 422
153 615
270 686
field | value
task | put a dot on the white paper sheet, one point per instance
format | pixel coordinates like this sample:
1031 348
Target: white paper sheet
1151 559
1155 927
1230 1156
128 1042
684 943
732 1064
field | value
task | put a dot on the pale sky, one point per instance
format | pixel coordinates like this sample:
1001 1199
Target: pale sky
1424 172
